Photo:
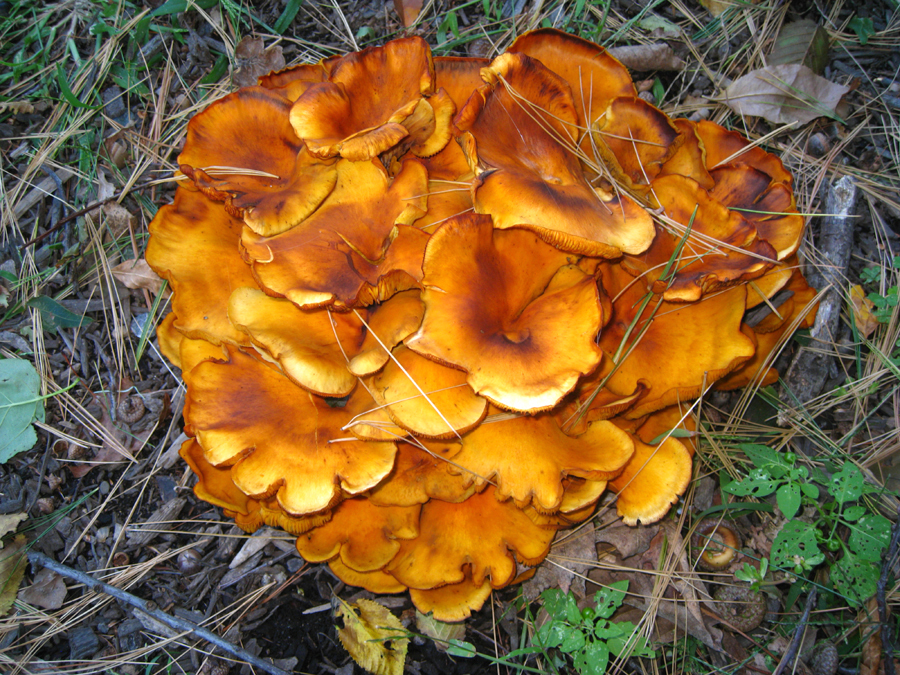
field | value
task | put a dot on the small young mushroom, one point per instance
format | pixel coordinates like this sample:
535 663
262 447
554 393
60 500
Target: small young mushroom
716 544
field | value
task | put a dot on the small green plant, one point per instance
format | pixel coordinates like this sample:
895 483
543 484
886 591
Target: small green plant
755 576
884 303
587 635
798 545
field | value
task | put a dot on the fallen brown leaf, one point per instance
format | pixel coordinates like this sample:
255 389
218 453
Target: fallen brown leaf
253 60
137 274
785 94
571 556
658 56
866 323
408 10
48 590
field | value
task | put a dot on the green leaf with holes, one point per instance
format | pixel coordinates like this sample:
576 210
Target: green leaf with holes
758 483
854 578
795 547
847 484
869 536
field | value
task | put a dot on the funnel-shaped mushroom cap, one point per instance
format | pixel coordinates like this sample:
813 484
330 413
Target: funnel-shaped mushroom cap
376 581
243 151
498 450
278 437
419 475
453 602
729 147
659 336
705 245
768 205
388 324
328 258
427 398
364 107
652 481
190 230
310 346
520 131
365 536
689 159
494 306
761 290
482 534
634 139
595 77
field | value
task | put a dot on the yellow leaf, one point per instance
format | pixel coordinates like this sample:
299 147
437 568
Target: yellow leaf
9 522
12 569
370 636
866 323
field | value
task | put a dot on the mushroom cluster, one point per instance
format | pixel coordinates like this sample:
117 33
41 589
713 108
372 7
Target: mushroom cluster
428 309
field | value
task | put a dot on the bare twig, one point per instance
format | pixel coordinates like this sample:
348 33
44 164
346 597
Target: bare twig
890 559
807 374
791 652
150 608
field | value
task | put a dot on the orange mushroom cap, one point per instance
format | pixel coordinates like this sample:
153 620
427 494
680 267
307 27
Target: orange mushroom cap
310 346
493 302
193 223
420 474
482 534
365 536
519 132
388 324
329 257
595 77
498 450
243 151
453 602
709 247
769 205
278 438
368 101
634 139
729 147
427 398
659 336
652 481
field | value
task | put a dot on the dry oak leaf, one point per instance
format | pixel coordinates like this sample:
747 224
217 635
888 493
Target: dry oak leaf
138 274
12 569
866 323
48 590
254 60
371 636
785 94
657 56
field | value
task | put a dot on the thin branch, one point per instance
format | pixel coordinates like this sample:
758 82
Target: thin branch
791 652
150 608
889 561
